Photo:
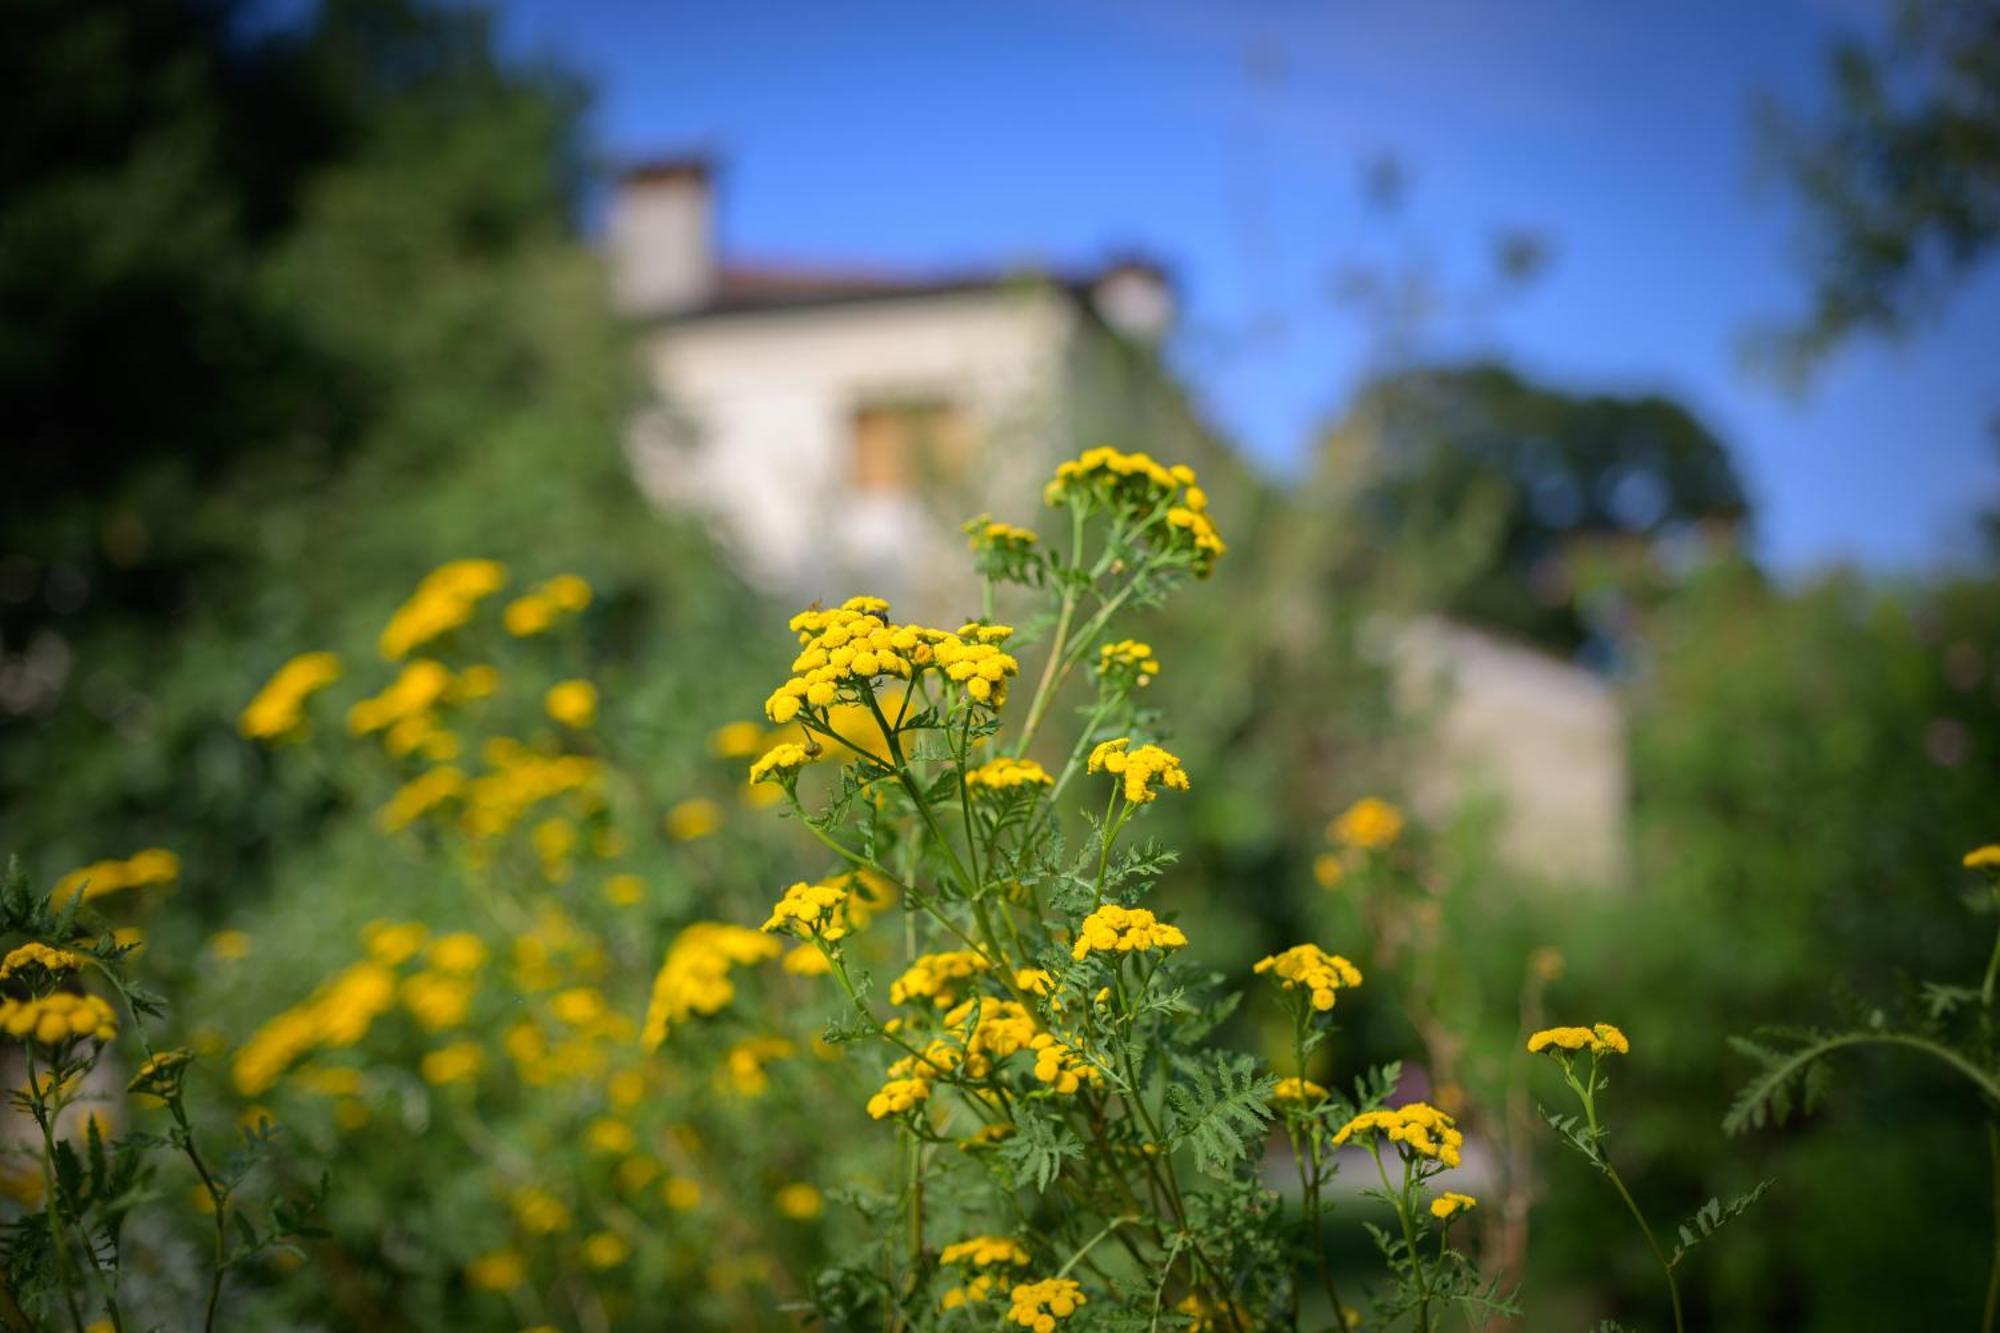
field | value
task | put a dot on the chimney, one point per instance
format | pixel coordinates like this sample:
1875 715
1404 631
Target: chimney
661 235
1135 296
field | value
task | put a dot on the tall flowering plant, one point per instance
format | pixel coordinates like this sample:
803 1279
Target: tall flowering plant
1072 1147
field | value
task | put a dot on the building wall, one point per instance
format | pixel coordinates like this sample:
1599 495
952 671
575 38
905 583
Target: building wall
758 430
1542 738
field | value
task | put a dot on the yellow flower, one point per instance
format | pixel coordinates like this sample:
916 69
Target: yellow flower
809 911
458 954
898 1095
1128 662
1138 485
1004 773
800 1201
985 1252
392 943
278 710
806 960
459 1062
846 649
742 1070
695 818
437 1001
1418 1130
228 945
681 1194
987 534
694 979
442 602
934 977
1297 1090
1370 825
572 703
1140 768
56 1019
610 1136
35 956
1328 870
419 796
155 865
501 1270
1308 967
416 690
1039 1305
1598 1040
780 762
1060 1067
1451 1203
1985 858
1115 929
539 1212
624 890
736 740
603 1250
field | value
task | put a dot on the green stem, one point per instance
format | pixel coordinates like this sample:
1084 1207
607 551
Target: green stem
1666 1267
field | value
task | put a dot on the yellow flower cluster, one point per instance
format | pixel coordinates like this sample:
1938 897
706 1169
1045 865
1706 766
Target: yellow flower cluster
800 1201
1140 768
992 1030
1370 825
1128 660
406 701
53 1019
36 956
934 977
1038 1305
1450 1204
696 817
442 602
161 1072
155 865
742 1069
278 709
1004 774
1599 1039
694 979
1115 929
419 796
572 703
1060 1067
855 643
1985 858
1299 1090
1137 482
541 607
780 763
897 1096
517 779
337 1014
1418 1128
1311 968
810 911
985 1251
988 534
458 1062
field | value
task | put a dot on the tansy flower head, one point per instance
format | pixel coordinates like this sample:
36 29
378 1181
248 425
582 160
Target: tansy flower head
1004 774
1599 1039
1300 1090
279 708
1039 1305
1308 967
1450 1204
985 1251
781 763
572 703
1174 508
442 602
1128 662
1115 929
1140 769
897 1096
35 958
1370 825
1986 859
809 911
1417 1130
934 977
694 979
1060 1067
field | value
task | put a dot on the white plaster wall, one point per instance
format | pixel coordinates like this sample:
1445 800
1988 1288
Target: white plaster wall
1545 738
756 431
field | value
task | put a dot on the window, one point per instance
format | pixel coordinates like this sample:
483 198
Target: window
910 446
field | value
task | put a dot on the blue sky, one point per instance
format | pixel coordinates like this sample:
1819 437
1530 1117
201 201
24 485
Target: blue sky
1228 138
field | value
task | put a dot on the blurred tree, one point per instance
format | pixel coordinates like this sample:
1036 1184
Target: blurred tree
1487 485
1900 177
299 316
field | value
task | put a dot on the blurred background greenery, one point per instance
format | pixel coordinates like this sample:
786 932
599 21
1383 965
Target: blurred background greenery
296 310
